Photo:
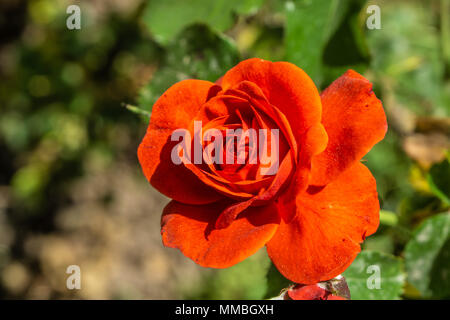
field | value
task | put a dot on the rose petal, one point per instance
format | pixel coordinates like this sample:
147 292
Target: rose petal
174 110
330 223
191 230
255 96
314 142
229 182
285 86
264 196
289 89
354 120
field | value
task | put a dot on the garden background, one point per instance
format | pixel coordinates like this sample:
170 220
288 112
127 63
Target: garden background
71 188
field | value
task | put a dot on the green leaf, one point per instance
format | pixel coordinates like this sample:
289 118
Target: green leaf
29 181
407 56
390 167
309 25
439 180
197 53
379 242
143 113
445 29
275 282
427 257
347 48
361 276
388 218
246 280
165 19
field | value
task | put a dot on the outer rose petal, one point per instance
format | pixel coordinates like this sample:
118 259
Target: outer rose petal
290 89
191 229
175 109
323 239
285 85
354 120
314 142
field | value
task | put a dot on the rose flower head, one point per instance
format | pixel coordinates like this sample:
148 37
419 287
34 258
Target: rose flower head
261 158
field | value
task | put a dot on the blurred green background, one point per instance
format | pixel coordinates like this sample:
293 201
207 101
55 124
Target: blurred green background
71 190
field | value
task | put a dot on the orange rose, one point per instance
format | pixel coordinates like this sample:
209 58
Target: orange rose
317 208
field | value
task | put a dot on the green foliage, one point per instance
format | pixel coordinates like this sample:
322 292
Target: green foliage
382 243
165 19
347 48
388 218
29 181
275 282
324 30
408 56
427 257
197 53
390 166
247 280
360 276
438 180
309 25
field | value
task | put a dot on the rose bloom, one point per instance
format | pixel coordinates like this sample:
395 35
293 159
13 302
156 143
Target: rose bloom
313 213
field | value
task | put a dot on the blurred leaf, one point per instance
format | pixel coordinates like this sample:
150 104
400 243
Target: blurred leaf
389 165
275 282
309 25
418 206
165 19
246 7
246 280
28 182
197 53
439 180
359 276
411 292
388 218
138 111
268 44
426 149
14 131
407 55
427 257
445 29
383 243
347 48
